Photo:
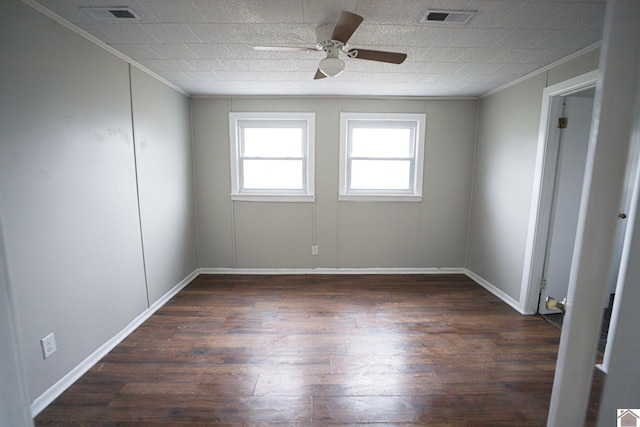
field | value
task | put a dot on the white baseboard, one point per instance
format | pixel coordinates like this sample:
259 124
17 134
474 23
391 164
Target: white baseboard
602 367
496 291
65 382
332 271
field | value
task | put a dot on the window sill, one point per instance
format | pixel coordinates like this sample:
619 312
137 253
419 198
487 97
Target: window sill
379 198
287 198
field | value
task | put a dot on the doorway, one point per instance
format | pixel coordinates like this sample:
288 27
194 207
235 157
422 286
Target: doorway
560 169
568 157
568 152
545 193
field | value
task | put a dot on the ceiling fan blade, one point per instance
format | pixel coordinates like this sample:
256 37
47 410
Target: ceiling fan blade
347 24
319 75
286 48
377 55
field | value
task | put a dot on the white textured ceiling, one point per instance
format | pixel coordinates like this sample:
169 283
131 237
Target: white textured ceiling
205 47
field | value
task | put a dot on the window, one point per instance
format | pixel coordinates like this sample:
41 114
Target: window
272 156
381 156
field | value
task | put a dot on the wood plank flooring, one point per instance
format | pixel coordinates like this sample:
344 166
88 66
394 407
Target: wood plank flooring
316 350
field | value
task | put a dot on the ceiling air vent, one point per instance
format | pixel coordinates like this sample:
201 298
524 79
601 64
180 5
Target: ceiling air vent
112 13
447 16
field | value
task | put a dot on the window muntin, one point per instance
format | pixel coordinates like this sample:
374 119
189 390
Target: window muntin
381 156
272 156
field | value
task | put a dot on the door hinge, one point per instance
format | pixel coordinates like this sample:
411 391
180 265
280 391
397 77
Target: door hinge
562 122
543 284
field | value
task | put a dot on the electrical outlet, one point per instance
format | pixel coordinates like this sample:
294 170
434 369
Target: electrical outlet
48 345
314 250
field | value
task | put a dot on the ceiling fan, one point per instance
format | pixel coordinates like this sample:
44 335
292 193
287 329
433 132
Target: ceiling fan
333 39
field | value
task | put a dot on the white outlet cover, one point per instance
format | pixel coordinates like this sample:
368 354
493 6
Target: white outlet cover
48 345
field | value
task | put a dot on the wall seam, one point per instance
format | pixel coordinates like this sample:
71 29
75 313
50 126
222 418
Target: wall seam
419 238
233 203
314 207
195 184
135 166
473 187
338 205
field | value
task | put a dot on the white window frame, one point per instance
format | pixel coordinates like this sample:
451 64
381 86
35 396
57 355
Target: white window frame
236 121
414 121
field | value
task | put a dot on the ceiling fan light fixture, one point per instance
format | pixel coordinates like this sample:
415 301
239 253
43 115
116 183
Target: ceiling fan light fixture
331 66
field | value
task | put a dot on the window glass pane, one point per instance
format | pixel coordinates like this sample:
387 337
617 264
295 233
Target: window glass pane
381 142
272 174
272 142
380 175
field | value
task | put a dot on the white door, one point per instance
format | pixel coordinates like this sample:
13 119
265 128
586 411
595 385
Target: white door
569 176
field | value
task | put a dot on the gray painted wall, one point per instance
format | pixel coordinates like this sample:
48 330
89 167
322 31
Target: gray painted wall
14 399
429 234
69 190
508 126
162 122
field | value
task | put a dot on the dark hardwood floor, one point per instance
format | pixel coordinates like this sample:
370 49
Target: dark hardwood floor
317 350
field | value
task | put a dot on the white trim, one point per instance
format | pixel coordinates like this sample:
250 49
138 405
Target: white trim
288 271
307 195
415 195
536 236
543 69
337 96
379 198
46 398
82 33
603 367
496 291
273 198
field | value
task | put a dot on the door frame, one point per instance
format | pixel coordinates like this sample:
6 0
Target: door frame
543 182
